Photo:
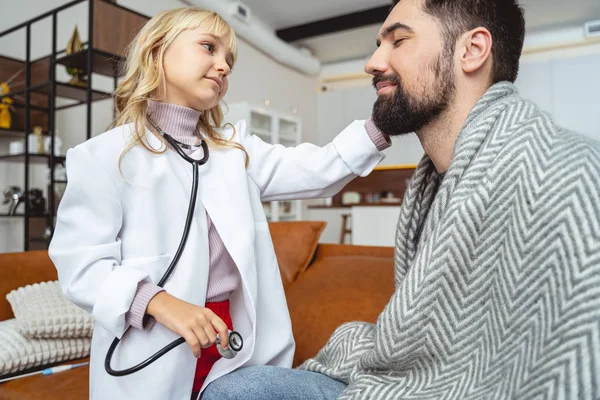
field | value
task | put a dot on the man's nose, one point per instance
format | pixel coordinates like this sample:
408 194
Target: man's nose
377 64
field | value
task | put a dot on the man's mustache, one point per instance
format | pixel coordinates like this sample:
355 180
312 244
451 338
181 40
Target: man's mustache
387 78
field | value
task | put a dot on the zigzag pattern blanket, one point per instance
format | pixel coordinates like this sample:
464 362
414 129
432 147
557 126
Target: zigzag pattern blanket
497 271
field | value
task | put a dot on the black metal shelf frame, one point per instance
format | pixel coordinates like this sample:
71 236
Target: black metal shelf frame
90 60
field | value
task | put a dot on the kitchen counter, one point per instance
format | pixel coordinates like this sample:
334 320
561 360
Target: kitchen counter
391 204
372 224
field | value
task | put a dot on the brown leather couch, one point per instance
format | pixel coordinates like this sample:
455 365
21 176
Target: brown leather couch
326 285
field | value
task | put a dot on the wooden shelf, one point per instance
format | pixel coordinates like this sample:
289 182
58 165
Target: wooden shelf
33 107
12 134
33 158
21 215
316 206
114 27
394 181
288 138
15 133
260 132
64 90
102 62
72 92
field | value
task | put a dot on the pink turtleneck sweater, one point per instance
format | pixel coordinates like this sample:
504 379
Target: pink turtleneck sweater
223 276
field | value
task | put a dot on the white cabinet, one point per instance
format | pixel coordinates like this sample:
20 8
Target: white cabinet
565 87
374 226
330 111
371 225
273 127
575 89
333 217
337 108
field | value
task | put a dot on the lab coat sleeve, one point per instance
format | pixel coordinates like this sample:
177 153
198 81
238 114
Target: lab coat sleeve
307 170
85 247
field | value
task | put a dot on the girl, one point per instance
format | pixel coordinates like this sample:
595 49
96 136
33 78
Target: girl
122 215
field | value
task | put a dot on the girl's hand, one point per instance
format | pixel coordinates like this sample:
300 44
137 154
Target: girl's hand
197 325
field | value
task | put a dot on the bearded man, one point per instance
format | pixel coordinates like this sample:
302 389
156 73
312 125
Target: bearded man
497 258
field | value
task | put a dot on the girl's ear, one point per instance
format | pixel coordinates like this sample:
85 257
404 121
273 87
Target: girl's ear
155 57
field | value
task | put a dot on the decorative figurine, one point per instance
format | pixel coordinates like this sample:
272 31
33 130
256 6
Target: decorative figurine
37 132
13 196
5 106
75 45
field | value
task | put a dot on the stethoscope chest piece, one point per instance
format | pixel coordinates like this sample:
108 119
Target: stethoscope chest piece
236 343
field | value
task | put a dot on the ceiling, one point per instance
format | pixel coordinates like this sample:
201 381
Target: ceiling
285 13
360 42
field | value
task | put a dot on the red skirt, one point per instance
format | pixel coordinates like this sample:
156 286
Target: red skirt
210 355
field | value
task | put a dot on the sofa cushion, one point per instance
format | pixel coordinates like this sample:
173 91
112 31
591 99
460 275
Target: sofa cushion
19 353
295 243
333 291
42 311
20 269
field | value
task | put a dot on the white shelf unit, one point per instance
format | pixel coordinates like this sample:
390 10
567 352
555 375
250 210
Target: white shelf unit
275 127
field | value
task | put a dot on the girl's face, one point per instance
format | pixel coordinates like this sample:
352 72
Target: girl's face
196 67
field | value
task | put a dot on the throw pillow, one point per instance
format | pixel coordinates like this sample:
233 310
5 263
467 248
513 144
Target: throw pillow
295 243
42 311
19 353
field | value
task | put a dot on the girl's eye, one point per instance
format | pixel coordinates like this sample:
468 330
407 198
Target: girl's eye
209 47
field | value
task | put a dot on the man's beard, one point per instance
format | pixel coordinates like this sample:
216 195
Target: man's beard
402 113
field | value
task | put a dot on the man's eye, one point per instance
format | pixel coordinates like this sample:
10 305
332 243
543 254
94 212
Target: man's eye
399 41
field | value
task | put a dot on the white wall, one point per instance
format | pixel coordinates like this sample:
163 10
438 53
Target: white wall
339 107
564 82
256 77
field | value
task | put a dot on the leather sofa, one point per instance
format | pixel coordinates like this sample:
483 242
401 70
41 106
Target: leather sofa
326 285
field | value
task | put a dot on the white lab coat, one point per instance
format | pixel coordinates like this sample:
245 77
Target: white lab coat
117 228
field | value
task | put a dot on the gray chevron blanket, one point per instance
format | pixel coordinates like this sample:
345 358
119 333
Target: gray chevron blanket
497 271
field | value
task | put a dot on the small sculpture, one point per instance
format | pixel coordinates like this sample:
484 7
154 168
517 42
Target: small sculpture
37 132
5 106
14 196
37 203
75 45
6 102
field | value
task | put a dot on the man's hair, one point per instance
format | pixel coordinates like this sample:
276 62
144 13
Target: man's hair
503 18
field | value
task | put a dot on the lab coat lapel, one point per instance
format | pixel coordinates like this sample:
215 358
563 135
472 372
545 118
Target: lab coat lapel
182 169
223 190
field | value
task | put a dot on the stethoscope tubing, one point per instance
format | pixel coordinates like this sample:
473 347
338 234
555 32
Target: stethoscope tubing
195 167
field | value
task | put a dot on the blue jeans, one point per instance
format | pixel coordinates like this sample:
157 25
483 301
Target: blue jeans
273 383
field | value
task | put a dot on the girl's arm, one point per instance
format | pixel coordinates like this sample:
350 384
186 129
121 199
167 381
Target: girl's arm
85 248
310 171
86 251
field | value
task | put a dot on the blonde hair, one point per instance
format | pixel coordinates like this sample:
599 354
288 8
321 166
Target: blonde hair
144 73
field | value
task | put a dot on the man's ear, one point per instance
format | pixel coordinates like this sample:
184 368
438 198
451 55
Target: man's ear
476 49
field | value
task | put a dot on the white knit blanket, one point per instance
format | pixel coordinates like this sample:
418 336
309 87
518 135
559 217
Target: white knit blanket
498 297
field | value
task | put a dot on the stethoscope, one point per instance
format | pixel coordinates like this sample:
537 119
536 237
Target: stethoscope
235 339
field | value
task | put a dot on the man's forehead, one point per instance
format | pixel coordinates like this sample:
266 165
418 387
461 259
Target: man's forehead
386 30
406 15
